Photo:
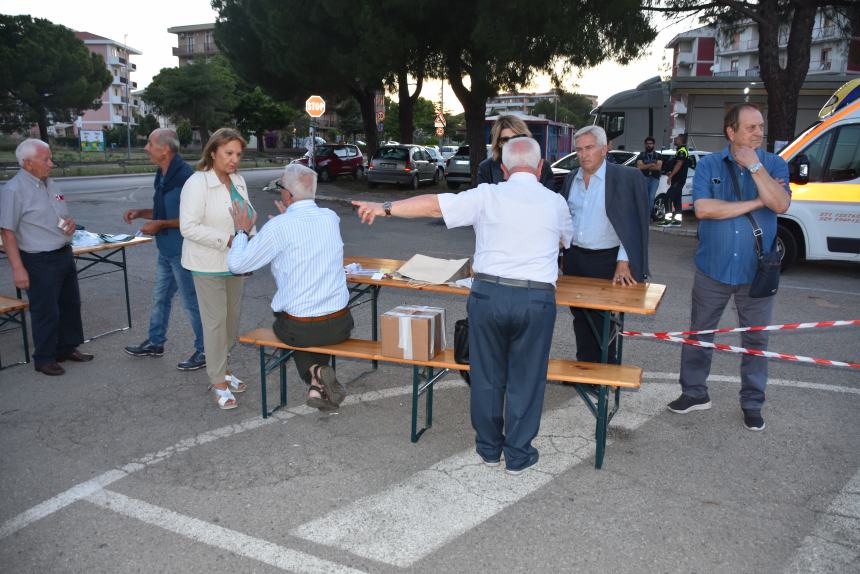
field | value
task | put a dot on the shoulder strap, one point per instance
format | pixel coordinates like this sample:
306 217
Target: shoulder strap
756 229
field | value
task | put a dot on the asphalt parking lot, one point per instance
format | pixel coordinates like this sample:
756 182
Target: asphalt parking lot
126 464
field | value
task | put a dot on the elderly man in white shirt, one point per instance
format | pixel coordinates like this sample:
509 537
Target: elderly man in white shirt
305 248
519 225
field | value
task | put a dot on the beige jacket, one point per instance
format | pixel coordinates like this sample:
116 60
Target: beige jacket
205 221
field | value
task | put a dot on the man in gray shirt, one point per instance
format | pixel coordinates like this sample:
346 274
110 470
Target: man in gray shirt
37 230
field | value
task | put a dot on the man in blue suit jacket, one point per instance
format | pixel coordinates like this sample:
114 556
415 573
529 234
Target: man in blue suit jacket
609 206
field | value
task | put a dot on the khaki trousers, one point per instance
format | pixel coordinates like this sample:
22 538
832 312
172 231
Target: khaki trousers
220 301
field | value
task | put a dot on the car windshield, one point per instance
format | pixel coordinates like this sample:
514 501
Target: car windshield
323 150
393 153
463 150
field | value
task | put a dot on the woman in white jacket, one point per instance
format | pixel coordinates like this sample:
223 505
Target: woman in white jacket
207 226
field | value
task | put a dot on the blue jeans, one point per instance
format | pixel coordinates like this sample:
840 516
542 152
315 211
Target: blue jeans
170 276
653 184
510 333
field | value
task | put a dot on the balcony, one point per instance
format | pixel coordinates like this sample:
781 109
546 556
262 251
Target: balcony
753 72
123 80
820 66
196 50
727 73
114 99
133 66
686 59
117 80
122 61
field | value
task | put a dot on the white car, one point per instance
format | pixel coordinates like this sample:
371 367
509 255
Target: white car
661 203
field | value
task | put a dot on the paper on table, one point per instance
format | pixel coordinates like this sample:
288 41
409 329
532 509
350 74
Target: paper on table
433 270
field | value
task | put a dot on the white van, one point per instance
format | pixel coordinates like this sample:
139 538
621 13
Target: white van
823 221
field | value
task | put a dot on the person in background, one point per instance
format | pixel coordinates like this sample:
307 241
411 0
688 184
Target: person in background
170 277
207 228
676 180
650 164
504 129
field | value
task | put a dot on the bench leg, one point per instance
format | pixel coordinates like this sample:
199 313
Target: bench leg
602 424
283 374
263 405
428 377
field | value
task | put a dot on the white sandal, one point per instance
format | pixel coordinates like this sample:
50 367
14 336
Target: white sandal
224 398
235 385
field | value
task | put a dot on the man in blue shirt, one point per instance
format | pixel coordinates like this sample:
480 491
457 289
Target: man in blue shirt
726 259
170 276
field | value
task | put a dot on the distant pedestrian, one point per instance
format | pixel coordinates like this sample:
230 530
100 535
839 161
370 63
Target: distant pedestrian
170 277
650 164
37 234
504 129
676 180
726 259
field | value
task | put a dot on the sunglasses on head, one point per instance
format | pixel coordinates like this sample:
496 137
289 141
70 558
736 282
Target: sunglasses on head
279 185
505 139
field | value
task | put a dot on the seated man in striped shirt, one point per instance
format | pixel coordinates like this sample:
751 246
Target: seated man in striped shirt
305 248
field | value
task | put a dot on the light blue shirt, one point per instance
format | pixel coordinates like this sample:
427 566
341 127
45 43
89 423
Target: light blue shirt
591 227
305 248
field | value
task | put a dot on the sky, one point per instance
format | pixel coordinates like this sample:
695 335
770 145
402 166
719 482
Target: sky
143 26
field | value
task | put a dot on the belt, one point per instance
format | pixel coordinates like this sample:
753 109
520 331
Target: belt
584 250
515 282
334 315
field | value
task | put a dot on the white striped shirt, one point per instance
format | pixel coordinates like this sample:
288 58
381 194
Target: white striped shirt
305 249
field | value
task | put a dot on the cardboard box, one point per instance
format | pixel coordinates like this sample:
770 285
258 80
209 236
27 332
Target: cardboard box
413 332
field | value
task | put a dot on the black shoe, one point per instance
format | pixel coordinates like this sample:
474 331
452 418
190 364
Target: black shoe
145 349
753 420
194 362
50 369
684 404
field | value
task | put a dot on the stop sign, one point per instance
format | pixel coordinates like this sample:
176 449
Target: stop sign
315 106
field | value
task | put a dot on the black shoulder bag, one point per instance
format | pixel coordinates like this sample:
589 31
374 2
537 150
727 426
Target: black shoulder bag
461 346
766 280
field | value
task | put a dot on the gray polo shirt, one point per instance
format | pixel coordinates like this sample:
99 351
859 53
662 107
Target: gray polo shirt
32 209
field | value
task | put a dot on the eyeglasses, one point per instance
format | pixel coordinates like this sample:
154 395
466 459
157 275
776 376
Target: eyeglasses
505 139
279 185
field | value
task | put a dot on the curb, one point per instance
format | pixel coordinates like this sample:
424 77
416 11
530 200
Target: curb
147 174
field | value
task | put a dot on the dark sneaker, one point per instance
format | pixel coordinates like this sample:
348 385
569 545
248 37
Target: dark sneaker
753 420
674 223
194 362
684 404
145 349
664 223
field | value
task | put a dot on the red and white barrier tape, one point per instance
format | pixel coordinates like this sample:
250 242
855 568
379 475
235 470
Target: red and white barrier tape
757 352
786 327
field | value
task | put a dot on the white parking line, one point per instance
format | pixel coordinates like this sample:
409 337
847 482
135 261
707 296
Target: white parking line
411 519
218 536
770 382
834 545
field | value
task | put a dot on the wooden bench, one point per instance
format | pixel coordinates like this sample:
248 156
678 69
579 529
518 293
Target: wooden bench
13 311
605 377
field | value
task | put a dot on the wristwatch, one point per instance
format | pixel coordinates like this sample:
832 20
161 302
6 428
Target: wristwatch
242 231
755 167
387 207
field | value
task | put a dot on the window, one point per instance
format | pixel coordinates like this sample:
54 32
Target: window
570 162
733 65
817 154
845 160
736 40
341 152
189 43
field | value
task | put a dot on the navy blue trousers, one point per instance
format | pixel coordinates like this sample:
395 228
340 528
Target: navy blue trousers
55 304
510 333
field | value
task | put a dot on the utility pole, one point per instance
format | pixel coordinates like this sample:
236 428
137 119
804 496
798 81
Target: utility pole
127 111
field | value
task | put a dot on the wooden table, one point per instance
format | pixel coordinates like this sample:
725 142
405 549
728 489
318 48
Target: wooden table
13 311
112 255
611 301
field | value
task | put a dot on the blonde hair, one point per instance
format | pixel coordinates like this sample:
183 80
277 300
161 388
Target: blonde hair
219 138
512 123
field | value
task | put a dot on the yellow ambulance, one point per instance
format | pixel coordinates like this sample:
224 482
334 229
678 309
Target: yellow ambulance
823 221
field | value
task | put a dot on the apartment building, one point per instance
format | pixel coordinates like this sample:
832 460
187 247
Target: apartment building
118 106
522 102
194 41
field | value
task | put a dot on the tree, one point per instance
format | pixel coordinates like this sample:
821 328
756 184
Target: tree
202 92
501 45
185 133
146 125
773 18
574 109
257 112
46 71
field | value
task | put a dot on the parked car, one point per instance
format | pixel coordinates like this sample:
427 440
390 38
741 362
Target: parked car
570 162
402 165
458 170
661 202
437 157
332 160
448 151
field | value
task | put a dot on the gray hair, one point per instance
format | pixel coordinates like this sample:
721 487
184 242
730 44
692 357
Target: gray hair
521 152
300 180
166 137
597 131
28 148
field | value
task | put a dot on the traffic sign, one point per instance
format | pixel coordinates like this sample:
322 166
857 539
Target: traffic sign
380 117
440 131
315 106
380 126
440 121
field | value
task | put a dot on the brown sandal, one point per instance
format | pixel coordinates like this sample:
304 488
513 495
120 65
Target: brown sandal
327 379
321 402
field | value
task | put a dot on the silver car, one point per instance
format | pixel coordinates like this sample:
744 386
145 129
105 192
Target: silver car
402 165
458 169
